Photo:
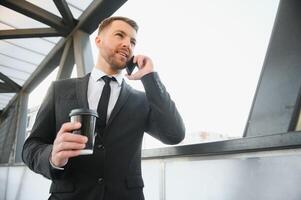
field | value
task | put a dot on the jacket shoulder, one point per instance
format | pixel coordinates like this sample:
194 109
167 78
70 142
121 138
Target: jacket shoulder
134 91
70 81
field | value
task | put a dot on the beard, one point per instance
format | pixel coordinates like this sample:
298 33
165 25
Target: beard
115 58
115 61
117 65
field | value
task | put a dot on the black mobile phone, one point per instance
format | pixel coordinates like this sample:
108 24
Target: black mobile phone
130 66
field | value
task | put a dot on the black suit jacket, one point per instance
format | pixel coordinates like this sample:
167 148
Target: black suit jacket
113 172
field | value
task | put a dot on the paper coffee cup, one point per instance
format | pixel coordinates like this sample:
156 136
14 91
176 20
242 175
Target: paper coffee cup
87 118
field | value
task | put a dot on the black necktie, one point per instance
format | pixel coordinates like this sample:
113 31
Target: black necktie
102 107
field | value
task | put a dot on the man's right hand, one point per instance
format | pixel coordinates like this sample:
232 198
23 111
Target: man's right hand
67 144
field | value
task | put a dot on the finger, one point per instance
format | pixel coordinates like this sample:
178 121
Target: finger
64 146
69 126
70 137
67 154
134 76
138 62
130 77
142 62
135 59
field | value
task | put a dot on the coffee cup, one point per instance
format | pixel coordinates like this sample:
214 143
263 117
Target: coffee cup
87 118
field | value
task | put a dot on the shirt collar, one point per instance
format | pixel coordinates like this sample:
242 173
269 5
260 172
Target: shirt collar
96 74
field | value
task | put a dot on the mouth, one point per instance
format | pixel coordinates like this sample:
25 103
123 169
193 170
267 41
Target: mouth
123 53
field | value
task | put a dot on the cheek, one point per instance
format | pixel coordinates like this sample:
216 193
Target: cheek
109 46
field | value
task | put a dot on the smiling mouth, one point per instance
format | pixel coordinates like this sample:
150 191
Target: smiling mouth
124 54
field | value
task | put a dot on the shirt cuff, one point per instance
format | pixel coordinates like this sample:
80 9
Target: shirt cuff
55 167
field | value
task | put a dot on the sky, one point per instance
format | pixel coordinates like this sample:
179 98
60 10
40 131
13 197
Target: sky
208 53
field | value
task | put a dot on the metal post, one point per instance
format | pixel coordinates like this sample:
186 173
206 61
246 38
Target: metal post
66 62
82 53
276 105
21 125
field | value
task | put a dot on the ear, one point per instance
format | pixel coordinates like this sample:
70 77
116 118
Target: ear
98 40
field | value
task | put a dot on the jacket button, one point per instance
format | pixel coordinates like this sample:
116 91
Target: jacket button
100 146
100 180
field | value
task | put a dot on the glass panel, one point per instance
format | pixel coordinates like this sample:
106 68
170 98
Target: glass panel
82 5
3 180
34 44
46 5
9 95
52 39
9 62
5 98
2 105
76 11
5 27
14 183
14 51
37 95
76 7
220 178
17 20
19 80
15 74
209 55
152 173
28 182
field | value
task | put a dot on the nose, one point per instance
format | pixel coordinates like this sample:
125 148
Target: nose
127 43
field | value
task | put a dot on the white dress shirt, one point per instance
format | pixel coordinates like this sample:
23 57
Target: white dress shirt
95 87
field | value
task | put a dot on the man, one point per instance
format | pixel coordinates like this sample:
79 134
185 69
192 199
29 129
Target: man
113 171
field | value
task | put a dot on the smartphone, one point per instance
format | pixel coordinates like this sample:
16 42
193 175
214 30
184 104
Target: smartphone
130 66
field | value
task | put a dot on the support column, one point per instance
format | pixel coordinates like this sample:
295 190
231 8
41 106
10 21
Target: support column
21 125
83 53
66 62
276 105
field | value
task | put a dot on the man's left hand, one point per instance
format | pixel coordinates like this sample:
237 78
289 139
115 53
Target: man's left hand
145 65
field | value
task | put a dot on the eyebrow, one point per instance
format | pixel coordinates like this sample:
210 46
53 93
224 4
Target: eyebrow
124 33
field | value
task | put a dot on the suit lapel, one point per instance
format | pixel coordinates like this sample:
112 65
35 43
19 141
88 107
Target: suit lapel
124 94
81 91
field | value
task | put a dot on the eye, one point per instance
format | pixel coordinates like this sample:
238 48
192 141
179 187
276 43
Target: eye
119 35
133 42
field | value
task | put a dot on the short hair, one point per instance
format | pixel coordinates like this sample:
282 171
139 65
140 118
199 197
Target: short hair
106 22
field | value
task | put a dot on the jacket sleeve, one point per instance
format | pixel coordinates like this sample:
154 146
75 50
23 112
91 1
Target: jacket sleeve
164 121
38 146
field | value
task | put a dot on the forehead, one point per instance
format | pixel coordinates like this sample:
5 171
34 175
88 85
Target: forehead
119 25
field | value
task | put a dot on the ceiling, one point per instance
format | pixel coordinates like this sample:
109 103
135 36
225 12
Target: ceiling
32 32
